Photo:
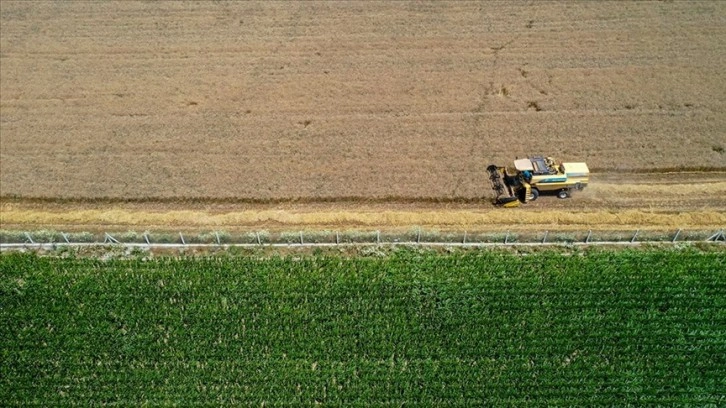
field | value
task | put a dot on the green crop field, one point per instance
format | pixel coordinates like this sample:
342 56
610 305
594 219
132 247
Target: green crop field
410 329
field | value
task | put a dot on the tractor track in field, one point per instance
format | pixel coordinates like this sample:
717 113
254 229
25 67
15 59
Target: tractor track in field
675 182
613 201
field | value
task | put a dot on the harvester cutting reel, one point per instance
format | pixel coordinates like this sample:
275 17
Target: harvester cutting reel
504 194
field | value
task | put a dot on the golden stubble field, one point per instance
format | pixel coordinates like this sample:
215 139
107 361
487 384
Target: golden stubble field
247 102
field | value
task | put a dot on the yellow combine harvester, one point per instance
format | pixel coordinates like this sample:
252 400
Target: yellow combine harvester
535 175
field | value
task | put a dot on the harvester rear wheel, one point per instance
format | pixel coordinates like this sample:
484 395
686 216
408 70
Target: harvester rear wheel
563 194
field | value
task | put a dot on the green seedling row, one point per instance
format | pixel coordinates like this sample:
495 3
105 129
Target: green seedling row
409 329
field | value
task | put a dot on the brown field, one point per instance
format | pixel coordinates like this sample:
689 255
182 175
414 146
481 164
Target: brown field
236 114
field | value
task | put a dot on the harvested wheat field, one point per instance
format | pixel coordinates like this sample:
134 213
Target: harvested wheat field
357 114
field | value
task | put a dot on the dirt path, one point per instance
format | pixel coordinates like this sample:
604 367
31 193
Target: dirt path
613 201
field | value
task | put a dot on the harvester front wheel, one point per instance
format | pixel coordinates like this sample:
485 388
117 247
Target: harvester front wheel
535 194
563 194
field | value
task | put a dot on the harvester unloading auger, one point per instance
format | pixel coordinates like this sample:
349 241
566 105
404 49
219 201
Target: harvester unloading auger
535 175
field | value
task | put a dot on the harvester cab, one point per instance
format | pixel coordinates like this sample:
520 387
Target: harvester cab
534 175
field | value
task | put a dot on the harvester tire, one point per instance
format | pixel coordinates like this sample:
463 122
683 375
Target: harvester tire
563 194
535 194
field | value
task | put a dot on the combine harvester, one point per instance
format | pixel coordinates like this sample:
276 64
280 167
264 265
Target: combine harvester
535 175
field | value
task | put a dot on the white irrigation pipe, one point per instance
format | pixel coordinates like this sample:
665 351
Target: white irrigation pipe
51 246
110 241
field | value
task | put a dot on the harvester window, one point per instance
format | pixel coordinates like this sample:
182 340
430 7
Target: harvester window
539 166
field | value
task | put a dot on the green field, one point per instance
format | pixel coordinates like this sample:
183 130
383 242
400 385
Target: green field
410 329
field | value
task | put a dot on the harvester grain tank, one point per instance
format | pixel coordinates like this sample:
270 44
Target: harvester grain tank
535 175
